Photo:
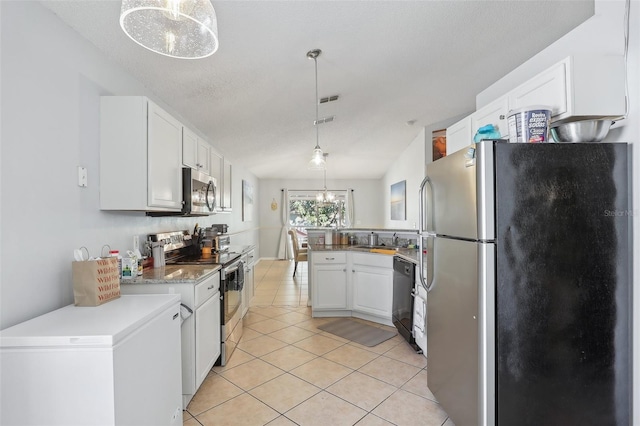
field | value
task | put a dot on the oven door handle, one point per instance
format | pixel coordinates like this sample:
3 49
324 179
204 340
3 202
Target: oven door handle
241 276
233 268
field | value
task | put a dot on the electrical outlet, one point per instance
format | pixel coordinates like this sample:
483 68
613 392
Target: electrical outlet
176 415
82 176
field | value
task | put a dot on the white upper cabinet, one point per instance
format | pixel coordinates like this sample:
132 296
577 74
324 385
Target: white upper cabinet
195 151
216 166
189 148
227 179
495 113
140 156
459 135
578 87
547 88
221 170
581 86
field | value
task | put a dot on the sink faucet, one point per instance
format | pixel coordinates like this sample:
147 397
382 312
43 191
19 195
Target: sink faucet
394 240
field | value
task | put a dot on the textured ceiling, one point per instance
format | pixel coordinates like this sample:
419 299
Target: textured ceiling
390 62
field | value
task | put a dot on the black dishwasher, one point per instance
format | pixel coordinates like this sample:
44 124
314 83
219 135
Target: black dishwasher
402 306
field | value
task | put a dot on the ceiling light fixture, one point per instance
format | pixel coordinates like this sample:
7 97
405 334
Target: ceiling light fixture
185 29
317 158
325 197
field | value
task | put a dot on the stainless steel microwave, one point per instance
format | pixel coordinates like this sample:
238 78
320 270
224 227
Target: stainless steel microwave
199 193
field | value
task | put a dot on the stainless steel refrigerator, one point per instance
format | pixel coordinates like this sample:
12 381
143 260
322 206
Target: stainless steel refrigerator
529 283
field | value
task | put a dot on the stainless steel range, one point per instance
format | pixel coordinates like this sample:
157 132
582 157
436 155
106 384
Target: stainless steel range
210 247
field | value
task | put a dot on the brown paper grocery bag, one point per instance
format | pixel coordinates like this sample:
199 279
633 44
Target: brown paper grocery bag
95 281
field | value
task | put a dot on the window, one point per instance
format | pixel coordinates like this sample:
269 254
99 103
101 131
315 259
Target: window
306 211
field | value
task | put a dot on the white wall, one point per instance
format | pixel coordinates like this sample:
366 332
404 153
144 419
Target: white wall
51 81
602 34
408 167
367 198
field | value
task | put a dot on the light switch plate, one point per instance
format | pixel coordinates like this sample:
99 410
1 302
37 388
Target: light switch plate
82 176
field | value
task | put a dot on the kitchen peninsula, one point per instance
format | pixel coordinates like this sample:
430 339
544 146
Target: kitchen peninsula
354 280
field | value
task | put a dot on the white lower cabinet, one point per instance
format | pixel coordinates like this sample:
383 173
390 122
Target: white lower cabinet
249 285
372 283
200 332
207 337
329 272
352 284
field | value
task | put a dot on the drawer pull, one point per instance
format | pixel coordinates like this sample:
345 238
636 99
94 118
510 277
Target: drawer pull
210 287
329 258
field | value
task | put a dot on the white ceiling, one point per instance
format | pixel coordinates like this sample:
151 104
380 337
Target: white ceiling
390 62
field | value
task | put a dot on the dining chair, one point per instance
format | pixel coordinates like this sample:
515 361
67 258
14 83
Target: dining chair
299 253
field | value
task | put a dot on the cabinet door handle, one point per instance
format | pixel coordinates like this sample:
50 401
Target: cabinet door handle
210 287
353 270
344 270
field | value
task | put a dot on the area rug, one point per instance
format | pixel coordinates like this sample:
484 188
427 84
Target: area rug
357 332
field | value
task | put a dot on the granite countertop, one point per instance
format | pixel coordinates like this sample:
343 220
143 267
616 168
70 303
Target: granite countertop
174 274
406 253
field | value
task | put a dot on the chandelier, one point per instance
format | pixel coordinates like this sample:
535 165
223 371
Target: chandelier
325 197
186 29
317 158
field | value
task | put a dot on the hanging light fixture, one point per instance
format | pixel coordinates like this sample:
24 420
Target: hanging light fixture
317 158
186 29
325 197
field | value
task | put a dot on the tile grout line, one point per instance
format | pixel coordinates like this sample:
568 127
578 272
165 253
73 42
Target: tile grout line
301 308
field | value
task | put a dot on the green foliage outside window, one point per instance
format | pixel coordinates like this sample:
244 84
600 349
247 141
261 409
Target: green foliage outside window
311 213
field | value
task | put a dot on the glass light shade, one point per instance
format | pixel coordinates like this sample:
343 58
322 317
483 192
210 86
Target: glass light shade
317 160
185 29
325 197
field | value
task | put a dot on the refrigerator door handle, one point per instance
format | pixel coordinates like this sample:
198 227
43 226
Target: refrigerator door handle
429 253
430 263
422 233
421 205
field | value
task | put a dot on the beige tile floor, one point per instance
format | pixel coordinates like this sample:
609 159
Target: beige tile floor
286 371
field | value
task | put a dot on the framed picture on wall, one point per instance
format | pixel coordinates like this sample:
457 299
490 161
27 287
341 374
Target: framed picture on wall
247 201
399 201
439 144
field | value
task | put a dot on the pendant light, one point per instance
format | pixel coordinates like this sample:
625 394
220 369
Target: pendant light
186 29
325 197
317 158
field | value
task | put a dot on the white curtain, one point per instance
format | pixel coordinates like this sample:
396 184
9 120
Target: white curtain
284 249
349 208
